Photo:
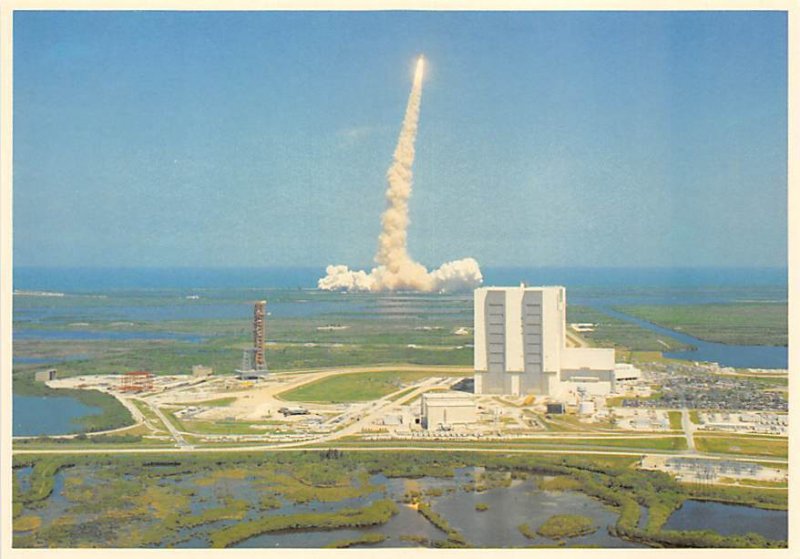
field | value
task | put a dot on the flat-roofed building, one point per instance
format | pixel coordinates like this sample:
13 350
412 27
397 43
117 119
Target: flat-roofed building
44 376
447 408
626 372
201 371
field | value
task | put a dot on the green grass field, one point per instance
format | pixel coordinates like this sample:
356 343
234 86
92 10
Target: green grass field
613 332
220 427
150 415
402 394
734 323
217 403
675 420
357 387
750 446
566 526
224 354
556 444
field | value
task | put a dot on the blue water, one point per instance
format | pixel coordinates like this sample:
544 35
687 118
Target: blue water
22 334
743 356
171 310
47 415
675 277
702 295
44 360
33 360
729 519
85 280
24 478
522 502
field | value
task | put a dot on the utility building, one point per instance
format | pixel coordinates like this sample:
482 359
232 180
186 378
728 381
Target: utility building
520 345
447 408
45 376
201 371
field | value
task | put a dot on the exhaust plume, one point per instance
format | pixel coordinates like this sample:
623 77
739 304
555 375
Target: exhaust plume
396 270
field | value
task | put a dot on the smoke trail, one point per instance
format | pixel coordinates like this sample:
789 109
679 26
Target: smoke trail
396 269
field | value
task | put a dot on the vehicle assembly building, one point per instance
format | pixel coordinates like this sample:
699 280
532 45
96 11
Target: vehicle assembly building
520 346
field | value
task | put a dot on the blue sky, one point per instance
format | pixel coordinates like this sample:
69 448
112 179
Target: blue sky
262 139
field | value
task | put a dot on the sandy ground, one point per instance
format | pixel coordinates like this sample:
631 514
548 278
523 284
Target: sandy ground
254 401
653 462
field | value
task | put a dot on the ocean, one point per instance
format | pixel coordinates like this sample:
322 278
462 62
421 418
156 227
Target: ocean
85 280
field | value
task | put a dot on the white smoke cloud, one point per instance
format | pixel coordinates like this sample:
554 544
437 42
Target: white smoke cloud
340 278
396 269
457 275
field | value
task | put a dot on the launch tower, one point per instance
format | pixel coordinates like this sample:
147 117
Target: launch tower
254 363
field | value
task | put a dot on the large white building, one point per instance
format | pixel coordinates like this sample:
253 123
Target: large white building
520 346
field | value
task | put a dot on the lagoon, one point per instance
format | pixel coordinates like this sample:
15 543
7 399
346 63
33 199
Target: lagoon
519 502
727 355
48 415
728 519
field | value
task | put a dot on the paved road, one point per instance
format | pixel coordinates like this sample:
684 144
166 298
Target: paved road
293 447
179 440
575 339
379 408
688 429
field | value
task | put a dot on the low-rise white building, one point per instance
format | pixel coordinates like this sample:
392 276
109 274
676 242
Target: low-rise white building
201 371
624 372
45 376
448 408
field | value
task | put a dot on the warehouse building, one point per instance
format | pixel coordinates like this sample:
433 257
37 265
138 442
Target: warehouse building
441 409
625 372
201 371
520 346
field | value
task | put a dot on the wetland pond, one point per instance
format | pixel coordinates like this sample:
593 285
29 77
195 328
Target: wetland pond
48 415
728 519
486 519
81 495
520 502
508 507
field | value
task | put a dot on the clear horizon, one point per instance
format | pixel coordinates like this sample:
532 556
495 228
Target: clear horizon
261 140
83 279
